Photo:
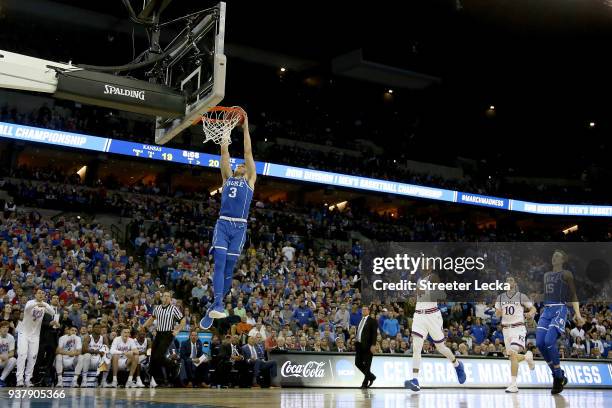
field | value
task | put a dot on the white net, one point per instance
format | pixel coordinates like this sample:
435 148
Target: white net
218 123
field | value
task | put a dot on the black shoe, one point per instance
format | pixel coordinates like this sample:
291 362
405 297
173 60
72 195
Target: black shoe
557 386
371 380
564 378
364 384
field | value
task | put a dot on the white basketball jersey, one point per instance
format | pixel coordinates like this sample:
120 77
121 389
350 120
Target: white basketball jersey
7 344
142 347
513 307
119 347
32 319
95 346
425 299
70 343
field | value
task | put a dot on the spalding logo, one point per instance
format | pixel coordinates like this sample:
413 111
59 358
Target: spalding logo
130 93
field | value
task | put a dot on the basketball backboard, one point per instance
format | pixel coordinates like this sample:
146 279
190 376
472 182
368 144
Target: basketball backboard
197 70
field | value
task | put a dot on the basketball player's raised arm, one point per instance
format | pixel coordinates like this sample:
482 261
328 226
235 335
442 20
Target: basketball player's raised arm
249 163
226 168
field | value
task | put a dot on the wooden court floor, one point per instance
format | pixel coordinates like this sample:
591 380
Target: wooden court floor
312 398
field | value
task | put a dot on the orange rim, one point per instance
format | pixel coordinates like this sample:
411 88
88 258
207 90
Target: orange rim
228 109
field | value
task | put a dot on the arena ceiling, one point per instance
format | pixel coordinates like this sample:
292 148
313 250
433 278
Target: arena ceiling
544 66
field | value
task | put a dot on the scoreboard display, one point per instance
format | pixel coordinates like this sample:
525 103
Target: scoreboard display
155 152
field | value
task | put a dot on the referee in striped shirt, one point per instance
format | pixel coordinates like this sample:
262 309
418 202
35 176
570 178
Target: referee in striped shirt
167 316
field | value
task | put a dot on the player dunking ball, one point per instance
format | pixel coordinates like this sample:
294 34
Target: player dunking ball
511 306
559 288
230 231
428 321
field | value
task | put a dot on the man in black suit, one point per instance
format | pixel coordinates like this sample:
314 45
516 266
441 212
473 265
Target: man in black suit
192 354
221 354
365 345
49 337
230 357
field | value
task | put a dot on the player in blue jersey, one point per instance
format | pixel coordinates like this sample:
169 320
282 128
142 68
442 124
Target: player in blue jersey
559 288
230 230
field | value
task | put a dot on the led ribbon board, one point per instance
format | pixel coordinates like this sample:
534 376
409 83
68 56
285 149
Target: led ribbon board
155 152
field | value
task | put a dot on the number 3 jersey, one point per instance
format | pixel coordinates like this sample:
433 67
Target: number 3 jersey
513 307
236 198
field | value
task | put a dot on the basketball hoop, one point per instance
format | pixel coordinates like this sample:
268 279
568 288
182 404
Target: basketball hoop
219 121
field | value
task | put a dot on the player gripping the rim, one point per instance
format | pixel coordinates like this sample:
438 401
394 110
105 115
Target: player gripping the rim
511 307
230 231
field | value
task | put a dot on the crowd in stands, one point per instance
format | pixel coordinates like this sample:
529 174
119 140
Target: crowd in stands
196 210
386 166
296 286
318 108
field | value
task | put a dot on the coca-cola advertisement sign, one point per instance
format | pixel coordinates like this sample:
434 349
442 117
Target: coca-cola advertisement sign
311 369
318 370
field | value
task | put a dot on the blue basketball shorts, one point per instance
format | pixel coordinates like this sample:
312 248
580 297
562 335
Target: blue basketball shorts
229 236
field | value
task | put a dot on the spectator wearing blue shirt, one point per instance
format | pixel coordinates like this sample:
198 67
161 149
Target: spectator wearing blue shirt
124 259
140 240
607 343
391 326
175 275
497 334
381 319
478 331
246 287
303 315
357 251
150 254
355 316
